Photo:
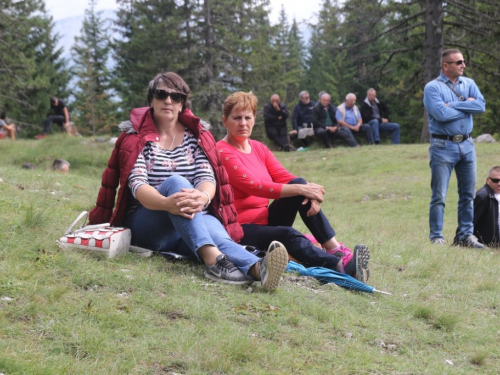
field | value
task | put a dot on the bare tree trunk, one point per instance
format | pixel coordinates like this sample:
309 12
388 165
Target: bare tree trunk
433 47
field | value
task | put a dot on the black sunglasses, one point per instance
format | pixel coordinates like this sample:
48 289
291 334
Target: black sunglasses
459 62
163 95
494 180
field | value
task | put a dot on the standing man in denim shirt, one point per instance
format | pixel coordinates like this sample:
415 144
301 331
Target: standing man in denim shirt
451 100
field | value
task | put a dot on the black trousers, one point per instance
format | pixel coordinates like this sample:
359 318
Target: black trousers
279 135
51 119
341 134
282 213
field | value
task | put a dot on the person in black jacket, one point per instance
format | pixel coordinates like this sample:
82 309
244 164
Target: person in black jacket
486 219
325 124
376 114
275 115
302 118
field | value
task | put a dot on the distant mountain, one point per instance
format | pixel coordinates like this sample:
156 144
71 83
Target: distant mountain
69 28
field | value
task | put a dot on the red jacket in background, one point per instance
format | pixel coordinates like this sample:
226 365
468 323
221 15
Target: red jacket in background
135 133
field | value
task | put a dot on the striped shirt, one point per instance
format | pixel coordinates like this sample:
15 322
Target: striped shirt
155 164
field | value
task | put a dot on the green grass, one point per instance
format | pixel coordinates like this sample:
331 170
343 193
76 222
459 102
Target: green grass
70 313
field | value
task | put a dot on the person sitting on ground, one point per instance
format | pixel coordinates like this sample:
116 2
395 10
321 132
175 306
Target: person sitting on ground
325 125
349 117
59 114
8 130
302 118
275 115
257 176
486 211
174 193
376 114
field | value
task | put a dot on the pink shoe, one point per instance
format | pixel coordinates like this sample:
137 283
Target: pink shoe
340 251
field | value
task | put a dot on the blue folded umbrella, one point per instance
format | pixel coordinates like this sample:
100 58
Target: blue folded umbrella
327 275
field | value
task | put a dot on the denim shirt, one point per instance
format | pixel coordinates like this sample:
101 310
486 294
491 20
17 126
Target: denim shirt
456 118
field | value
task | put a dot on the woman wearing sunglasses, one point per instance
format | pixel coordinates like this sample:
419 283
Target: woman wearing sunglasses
174 193
257 176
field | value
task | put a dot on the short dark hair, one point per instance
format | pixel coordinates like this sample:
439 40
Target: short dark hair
53 100
173 81
3 115
448 52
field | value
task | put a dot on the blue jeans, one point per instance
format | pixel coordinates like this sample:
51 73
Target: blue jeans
364 128
444 156
380 127
282 214
163 231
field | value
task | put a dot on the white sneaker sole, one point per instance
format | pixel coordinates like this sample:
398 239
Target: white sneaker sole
276 262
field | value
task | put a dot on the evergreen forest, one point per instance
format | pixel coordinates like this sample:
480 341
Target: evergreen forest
222 46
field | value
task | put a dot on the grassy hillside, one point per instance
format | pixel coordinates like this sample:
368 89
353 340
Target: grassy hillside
68 313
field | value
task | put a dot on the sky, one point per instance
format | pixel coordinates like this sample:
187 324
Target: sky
302 10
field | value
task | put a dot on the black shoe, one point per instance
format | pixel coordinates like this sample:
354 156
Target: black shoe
273 265
357 266
224 271
470 241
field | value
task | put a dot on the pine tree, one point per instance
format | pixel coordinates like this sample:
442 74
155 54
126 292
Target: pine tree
32 69
155 38
95 110
326 66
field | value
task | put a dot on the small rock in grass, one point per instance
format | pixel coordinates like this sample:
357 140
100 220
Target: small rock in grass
449 362
28 166
6 299
348 335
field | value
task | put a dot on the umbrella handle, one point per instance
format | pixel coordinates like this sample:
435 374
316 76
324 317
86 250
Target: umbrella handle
382 292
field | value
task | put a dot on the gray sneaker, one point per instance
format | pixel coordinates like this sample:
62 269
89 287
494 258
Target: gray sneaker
356 265
224 271
273 265
471 241
438 241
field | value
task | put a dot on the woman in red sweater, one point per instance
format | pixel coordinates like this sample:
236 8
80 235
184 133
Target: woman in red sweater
257 176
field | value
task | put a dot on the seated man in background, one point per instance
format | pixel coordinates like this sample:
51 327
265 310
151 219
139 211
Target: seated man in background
59 114
6 129
275 115
325 124
376 114
486 219
349 117
302 118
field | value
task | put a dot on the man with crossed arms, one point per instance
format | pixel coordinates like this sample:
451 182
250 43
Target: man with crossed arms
451 100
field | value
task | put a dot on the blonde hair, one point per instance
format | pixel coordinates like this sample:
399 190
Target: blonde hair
241 100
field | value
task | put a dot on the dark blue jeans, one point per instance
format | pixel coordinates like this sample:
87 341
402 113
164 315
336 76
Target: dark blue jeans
446 156
163 231
282 213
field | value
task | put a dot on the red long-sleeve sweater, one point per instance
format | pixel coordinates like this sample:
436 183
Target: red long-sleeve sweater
255 177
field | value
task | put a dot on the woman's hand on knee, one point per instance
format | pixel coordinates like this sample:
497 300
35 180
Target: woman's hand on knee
315 208
189 201
314 191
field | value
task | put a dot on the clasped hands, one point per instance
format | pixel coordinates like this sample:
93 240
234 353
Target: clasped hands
187 203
